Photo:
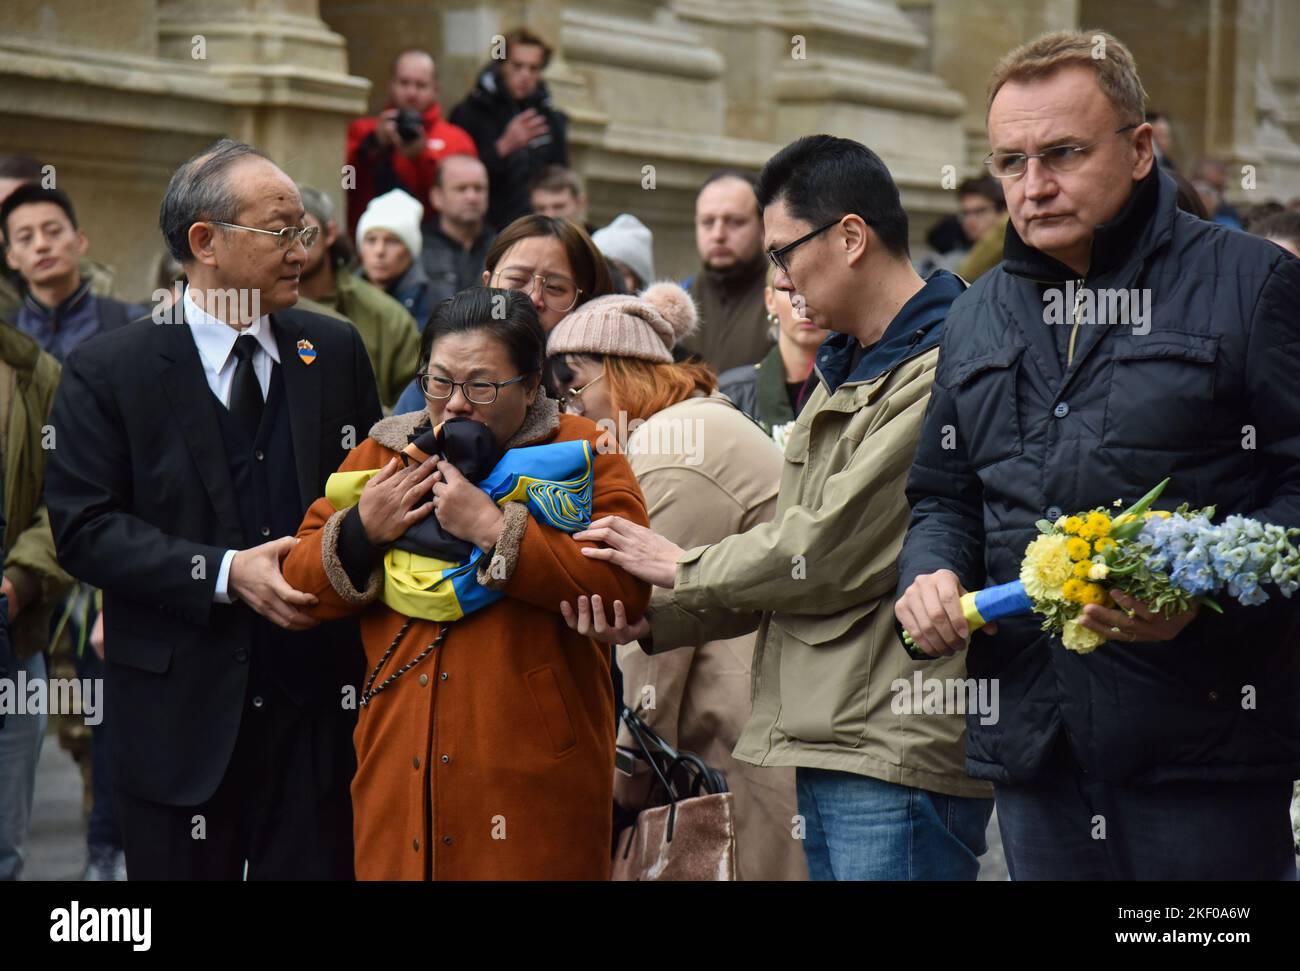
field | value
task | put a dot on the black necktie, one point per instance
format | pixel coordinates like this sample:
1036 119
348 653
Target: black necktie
246 391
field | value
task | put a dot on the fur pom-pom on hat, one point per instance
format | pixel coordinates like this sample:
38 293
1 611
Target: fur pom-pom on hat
647 327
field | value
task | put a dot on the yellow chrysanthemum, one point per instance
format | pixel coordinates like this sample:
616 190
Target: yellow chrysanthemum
1079 639
1072 590
1099 523
1093 593
1104 544
1046 567
1082 570
1072 524
1079 549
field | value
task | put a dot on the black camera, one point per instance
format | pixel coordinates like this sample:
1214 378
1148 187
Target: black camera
410 125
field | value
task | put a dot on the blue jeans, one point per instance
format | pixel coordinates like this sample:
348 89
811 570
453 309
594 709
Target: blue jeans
20 747
859 828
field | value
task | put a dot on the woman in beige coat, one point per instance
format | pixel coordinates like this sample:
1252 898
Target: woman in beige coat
706 471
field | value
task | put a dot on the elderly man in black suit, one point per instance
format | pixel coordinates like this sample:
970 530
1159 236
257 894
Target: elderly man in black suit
188 448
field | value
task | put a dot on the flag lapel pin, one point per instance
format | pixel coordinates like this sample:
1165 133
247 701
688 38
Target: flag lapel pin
306 353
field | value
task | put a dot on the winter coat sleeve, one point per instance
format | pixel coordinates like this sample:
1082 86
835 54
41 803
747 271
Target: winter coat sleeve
828 558
1272 361
946 499
542 566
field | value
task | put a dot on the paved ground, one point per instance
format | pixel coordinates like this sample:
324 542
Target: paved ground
57 843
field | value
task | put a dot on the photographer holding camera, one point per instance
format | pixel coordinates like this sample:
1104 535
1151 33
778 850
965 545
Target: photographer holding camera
400 148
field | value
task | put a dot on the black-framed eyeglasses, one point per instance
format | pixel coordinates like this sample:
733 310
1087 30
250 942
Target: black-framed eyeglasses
559 294
1058 158
777 256
437 388
286 237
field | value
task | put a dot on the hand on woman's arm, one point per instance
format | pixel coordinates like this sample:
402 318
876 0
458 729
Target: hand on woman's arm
637 549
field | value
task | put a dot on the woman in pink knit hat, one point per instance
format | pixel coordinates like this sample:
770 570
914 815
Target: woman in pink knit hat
707 471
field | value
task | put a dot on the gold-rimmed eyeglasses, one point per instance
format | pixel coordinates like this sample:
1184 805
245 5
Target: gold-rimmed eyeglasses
559 294
306 235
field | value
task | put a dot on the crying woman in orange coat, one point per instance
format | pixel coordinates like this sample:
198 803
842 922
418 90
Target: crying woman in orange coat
485 743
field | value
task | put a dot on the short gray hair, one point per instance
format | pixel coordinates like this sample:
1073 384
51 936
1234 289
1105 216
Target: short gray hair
201 190
318 205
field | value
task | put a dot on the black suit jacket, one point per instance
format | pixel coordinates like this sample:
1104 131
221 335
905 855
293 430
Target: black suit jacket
140 498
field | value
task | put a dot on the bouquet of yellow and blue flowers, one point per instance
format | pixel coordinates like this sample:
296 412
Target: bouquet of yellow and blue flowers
1169 560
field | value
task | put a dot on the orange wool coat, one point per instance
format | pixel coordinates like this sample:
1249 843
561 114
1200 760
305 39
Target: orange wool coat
492 758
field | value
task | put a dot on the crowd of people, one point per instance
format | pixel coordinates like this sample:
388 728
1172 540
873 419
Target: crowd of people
374 544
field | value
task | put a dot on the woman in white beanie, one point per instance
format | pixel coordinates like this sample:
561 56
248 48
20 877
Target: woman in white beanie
389 244
707 471
628 244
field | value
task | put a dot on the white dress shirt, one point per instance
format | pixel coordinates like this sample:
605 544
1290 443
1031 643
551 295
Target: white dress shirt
215 340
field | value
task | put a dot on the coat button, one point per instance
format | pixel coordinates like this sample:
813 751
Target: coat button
265 530
1061 410
1214 696
416 761
444 675
446 759
259 455
415 845
241 654
446 841
1054 513
258 702
424 679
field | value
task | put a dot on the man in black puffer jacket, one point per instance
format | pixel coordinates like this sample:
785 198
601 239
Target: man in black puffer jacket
515 127
1167 753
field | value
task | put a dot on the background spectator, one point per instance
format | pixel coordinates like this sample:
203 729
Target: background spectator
1210 178
34 584
628 244
1282 228
1162 138
44 245
327 285
774 391
557 191
983 216
729 286
402 145
517 129
457 238
17 170
389 244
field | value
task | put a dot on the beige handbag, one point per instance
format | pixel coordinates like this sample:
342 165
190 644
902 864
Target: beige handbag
693 837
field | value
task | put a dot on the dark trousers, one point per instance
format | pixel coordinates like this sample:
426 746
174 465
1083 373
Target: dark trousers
1065 825
103 829
284 805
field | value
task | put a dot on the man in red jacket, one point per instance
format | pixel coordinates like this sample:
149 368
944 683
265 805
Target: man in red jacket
400 148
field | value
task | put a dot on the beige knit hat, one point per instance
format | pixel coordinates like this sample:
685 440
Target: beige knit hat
646 327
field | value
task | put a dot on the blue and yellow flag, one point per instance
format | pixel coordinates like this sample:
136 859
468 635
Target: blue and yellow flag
553 481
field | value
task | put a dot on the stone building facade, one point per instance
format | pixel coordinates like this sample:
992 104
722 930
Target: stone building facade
660 92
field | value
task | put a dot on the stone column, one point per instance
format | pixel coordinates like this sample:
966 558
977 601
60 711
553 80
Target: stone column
116 95
969 37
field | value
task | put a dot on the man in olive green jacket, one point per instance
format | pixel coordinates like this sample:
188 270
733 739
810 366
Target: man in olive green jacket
389 333
876 737
33 581
33 578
